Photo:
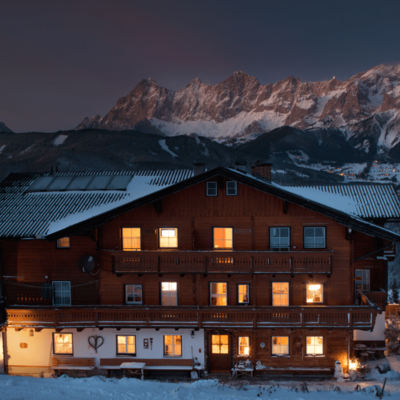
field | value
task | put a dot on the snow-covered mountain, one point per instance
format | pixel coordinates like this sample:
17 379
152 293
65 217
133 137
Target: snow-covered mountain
4 128
366 108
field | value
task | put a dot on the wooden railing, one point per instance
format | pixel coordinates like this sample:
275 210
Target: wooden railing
221 262
357 317
378 298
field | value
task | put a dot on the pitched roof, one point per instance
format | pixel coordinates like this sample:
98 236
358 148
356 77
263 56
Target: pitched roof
65 213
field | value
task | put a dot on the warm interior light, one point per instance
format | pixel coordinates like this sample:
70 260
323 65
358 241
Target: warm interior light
353 365
314 287
246 351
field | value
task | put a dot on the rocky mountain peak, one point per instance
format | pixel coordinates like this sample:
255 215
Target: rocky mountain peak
4 128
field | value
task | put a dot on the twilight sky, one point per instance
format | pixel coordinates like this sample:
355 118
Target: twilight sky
61 61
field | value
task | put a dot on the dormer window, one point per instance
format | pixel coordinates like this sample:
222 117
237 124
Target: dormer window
231 188
212 189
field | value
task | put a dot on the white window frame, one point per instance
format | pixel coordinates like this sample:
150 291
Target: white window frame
219 295
175 237
314 246
126 345
280 346
60 243
313 345
168 294
280 295
234 187
173 346
56 283
133 287
211 186
280 245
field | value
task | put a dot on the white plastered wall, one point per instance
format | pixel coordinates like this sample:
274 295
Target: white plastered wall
376 334
40 345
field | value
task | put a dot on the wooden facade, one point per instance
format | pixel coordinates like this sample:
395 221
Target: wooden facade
98 299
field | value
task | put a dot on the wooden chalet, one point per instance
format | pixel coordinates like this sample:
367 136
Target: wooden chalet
188 270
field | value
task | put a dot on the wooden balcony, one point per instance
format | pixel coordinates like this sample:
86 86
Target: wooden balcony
213 262
355 317
378 298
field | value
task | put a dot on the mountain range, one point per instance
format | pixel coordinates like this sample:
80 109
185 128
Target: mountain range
364 110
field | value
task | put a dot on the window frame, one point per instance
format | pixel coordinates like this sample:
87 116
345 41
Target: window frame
237 292
213 238
227 293
72 343
323 347
220 345
238 346
226 188
177 294
356 297
216 187
159 237
133 284
125 354
280 248
70 294
173 343
323 292
64 247
325 236
272 294
280 354
122 236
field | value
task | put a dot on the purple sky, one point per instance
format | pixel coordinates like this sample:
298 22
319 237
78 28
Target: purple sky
61 61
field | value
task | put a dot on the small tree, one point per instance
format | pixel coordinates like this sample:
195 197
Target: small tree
392 334
395 291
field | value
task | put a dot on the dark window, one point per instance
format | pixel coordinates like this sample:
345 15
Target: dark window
212 189
314 237
231 188
279 238
61 293
133 294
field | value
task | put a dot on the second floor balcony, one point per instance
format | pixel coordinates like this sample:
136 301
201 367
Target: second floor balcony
212 262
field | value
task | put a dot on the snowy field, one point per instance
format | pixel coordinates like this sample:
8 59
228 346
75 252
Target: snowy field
99 388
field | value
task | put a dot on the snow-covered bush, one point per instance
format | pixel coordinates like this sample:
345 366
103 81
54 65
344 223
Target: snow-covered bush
392 334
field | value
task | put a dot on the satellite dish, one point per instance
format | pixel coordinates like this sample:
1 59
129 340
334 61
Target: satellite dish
87 264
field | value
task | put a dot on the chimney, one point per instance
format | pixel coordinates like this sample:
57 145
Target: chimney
240 165
262 171
198 168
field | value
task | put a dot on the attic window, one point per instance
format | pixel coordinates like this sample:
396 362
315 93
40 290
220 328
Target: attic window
63 243
231 188
212 189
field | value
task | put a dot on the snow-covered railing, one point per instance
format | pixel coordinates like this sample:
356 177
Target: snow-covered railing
359 317
226 262
378 298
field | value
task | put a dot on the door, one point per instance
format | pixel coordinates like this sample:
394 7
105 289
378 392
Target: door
219 353
362 283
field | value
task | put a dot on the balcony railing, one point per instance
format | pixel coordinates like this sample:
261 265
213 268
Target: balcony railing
221 262
357 317
378 298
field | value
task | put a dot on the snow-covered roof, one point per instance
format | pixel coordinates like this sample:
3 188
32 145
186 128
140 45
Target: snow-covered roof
25 214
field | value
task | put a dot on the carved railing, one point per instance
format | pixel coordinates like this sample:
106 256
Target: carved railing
225 262
357 317
379 298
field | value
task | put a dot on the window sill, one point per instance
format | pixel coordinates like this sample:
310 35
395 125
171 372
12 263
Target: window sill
280 356
315 356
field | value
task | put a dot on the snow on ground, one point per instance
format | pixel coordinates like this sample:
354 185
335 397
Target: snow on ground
60 139
99 388
164 146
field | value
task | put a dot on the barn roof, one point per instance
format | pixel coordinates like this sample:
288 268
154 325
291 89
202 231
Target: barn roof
52 213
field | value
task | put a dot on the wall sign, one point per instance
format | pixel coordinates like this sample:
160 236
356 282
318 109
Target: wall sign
145 343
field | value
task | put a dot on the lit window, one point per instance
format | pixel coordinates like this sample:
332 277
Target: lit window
315 345
280 345
314 237
62 343
126 345
243 294
130 239
169 294
280 293
219 344
315 293
61 293
212 189
218 294
173 345
133 294
231 188
63 243
168 237
223 238
279 238
244 346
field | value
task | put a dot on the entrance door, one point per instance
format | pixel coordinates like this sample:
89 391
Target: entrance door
219 353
